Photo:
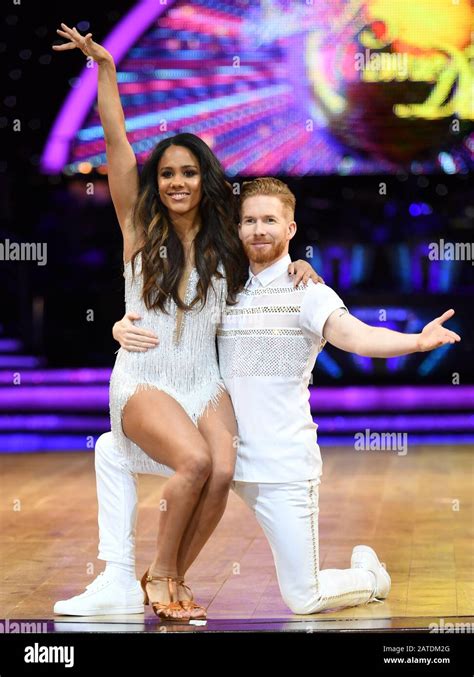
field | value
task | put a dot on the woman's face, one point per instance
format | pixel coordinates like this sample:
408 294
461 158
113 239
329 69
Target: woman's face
179 179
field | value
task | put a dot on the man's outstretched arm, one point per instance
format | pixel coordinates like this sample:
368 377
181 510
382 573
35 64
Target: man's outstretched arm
346 332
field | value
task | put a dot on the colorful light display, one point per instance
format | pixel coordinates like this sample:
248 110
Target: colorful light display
295 88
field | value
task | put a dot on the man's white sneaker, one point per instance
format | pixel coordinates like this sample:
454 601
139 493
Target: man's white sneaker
364 557
105 596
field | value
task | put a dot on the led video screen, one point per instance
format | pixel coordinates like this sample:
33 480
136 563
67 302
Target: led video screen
294 88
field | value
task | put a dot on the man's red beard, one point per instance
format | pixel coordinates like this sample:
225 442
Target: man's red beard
269 253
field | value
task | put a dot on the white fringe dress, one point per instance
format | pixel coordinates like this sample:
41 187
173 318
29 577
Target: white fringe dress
184 366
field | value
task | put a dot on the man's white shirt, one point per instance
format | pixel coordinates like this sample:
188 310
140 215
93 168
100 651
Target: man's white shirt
268 344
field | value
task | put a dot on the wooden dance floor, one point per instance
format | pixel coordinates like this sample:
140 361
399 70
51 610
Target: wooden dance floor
415 510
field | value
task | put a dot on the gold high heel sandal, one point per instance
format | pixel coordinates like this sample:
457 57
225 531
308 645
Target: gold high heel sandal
197 612
166 610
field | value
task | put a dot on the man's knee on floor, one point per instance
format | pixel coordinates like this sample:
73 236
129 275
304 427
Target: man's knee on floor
301 602
302 608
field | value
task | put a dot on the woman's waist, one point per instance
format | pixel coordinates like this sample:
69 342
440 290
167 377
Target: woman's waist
160 361
164 324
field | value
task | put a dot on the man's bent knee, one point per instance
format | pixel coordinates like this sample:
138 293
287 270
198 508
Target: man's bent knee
104 447
302 601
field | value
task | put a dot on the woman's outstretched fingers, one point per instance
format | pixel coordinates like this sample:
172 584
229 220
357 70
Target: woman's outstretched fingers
66 45
68 30
67 34
85 43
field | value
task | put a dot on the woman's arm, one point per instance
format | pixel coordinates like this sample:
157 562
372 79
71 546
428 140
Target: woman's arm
121 161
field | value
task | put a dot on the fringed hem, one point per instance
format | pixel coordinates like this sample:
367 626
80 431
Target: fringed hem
195 405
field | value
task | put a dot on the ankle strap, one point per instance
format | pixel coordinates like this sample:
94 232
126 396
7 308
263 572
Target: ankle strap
180 581
167 579
149 578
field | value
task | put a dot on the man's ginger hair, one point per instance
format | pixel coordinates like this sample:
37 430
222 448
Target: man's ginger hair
267 185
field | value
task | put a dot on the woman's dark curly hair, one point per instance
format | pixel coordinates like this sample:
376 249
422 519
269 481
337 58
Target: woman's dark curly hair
217 239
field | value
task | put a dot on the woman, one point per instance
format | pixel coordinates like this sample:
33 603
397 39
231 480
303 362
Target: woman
183 261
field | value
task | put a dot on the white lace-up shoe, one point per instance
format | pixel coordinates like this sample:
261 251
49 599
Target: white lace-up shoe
105 596
364 557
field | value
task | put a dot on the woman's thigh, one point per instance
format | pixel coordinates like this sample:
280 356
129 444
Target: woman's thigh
160 426
219 428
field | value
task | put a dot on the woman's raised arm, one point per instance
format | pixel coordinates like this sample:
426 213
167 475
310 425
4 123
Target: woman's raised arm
121 160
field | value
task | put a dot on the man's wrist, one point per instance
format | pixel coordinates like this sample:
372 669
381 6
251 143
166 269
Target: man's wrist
418 344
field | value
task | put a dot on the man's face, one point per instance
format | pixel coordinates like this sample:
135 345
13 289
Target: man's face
265 228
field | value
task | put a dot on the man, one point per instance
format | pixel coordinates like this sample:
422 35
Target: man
268 343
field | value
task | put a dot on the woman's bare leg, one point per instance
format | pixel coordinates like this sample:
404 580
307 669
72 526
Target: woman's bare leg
219 428
160 426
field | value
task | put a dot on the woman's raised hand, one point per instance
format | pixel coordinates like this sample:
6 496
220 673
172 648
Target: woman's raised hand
83 42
